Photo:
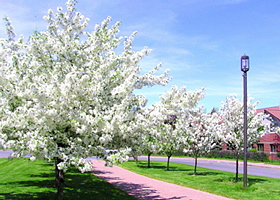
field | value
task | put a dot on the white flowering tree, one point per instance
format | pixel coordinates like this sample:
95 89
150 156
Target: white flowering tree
67 95
148 134
168 137
165 115
201 132
232 115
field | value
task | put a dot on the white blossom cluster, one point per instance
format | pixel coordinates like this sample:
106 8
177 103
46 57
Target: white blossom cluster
232 117
202 131
66 94
165 124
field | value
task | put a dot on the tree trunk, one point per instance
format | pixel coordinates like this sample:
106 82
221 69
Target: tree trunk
168 160
59 179
195 165
149 160
135 157
236 167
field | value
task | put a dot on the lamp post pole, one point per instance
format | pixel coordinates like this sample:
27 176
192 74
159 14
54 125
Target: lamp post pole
245 67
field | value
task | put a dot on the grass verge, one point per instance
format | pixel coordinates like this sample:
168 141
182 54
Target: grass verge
21 179
212 181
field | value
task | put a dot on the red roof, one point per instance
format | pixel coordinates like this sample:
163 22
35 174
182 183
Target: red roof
275 111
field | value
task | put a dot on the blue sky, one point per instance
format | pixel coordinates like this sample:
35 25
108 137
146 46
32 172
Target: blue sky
200 41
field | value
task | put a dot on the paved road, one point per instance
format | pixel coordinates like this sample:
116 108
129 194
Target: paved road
257 169
5 154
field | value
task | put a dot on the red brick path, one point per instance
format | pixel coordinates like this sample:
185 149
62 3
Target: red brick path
145 188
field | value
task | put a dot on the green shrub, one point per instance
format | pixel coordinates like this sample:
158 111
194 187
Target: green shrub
220 154
253 150
258 156
278 154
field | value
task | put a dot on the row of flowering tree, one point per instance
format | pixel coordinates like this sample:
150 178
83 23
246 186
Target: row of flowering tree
176 123
163 121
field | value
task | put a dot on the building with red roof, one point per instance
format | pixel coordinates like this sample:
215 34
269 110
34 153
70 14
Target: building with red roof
270 142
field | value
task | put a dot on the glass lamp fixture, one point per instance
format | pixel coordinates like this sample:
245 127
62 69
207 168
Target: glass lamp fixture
245 63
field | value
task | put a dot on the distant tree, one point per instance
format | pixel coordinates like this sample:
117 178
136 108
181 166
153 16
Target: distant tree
149 143
169 138
165 115
66 95
202 130
150 146
231 112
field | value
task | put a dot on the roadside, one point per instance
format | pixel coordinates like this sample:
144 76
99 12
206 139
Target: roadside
146 188
5 154
258 169
248 163
220 161
241 163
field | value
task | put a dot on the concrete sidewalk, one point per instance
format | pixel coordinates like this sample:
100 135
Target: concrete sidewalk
145 188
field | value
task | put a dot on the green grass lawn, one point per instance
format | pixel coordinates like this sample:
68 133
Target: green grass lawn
21 179
213 181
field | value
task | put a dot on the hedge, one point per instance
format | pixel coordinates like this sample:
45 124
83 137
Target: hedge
252 155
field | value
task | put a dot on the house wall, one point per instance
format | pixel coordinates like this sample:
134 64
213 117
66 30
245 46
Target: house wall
267 140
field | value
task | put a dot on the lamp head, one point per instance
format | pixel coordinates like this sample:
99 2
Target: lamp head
245 63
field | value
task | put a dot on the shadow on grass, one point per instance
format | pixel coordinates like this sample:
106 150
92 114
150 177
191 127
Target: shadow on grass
88 186
77 186
277 192
20 196
22 189
252 181
205 173
190 170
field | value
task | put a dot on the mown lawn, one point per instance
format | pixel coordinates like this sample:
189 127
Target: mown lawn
21 179
213 181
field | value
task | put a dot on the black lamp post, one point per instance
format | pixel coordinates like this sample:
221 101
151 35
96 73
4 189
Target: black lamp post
245 67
